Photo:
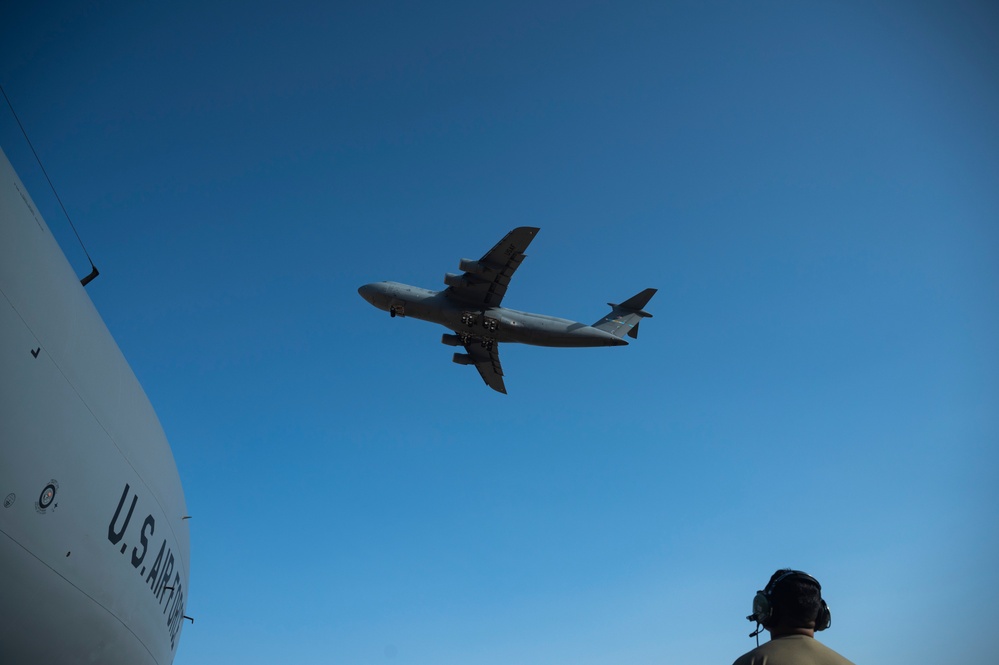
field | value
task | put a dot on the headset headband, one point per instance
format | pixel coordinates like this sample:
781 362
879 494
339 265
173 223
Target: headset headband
772 584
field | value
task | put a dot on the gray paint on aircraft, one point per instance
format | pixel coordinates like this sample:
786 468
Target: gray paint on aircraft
470 307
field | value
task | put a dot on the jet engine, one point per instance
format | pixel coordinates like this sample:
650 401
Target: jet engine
463 359
474 267
451 340
457 281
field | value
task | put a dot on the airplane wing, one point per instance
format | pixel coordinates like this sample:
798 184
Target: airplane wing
484 281
487 361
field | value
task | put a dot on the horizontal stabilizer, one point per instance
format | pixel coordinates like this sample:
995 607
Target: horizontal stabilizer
637 302
624 318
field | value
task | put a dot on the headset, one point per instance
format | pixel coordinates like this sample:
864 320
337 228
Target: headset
763 606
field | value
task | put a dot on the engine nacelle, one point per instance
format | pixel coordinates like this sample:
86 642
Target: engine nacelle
474 267
463 359
456 281
451 340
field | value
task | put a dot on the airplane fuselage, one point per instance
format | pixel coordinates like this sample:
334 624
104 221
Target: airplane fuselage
489 324
94 540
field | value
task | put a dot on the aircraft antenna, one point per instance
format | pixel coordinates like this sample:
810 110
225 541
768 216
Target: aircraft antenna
93 269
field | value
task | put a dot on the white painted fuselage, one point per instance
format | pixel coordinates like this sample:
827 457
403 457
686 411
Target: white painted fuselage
94 547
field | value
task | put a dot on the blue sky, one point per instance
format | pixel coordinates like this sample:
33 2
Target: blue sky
812 189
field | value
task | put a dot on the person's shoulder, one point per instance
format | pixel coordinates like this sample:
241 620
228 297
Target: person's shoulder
792 649
754 657
808 649
832 656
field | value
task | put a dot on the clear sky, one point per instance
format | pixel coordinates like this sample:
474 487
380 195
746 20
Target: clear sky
812 187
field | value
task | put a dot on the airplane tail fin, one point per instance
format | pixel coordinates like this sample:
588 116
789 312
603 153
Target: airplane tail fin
624 318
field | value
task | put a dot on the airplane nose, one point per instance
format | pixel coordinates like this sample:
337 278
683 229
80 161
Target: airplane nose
367 292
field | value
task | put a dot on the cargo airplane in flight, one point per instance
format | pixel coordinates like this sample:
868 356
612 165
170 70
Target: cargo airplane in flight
470 307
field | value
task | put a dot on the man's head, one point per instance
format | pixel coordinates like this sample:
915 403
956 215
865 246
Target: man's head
791 601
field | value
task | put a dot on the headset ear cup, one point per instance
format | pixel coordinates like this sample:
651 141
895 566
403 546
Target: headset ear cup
824 618
762 609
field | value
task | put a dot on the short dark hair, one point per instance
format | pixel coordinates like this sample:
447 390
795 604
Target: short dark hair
796 601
